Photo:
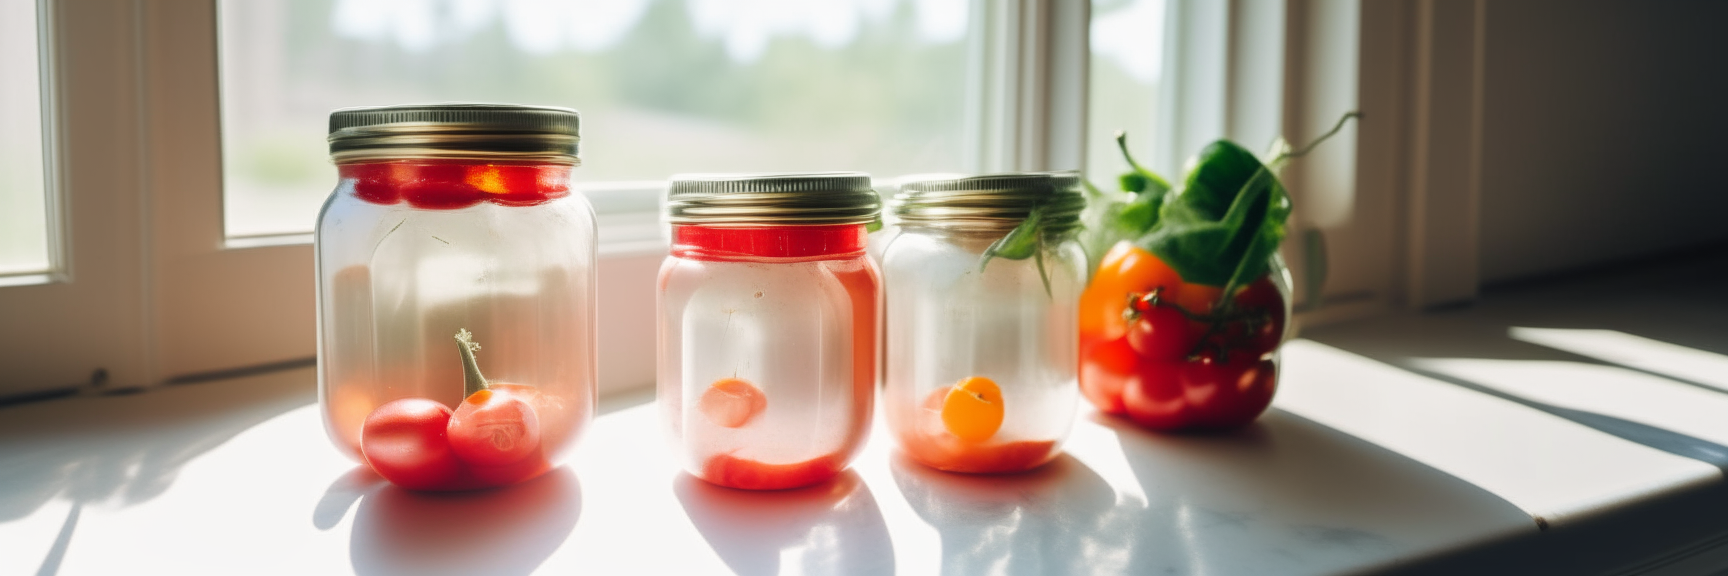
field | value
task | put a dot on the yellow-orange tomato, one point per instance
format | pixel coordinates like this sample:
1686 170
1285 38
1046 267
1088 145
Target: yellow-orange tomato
732 403
1126 269
973 409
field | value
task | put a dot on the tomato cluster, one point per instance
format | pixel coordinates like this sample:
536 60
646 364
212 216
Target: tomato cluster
1173 355
491 439
450 185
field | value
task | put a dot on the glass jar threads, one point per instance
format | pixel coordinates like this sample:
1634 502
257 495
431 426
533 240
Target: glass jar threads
767 326
454 226
982 287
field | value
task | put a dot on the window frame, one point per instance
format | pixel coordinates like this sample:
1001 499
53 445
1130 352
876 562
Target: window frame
151 290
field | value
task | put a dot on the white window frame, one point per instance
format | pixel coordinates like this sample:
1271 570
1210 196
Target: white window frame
148 290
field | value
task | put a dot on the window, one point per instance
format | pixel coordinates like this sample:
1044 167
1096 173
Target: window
24 246
664 86
189 189
1127 62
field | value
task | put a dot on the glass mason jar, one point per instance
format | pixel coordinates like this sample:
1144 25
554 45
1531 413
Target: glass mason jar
767 305
454 226
1173 355
980 319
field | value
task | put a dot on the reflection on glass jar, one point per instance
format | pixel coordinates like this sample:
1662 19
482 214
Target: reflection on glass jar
982 283
767 326
456 282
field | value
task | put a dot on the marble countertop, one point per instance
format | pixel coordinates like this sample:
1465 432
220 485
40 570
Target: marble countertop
1360 467
1572 430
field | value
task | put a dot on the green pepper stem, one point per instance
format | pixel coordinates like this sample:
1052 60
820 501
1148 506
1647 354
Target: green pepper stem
472 380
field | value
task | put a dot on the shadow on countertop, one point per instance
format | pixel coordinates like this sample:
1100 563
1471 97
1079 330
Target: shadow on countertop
831 528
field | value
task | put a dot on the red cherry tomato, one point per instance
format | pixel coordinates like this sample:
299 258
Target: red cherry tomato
1105 368
1152 395
1161 333
1237 390
496 427
1262 295
404 441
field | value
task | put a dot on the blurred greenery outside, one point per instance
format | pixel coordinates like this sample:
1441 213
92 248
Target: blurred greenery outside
663 99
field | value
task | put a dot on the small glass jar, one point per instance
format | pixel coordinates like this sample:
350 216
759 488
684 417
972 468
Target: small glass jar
454 226
767 305
981 303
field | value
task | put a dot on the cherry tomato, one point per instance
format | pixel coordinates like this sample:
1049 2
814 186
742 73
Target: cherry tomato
1262 295
1153 397
731 402
1230 393
496 426
1125 270
972 409
1104 371
1161 333
404 441
934 444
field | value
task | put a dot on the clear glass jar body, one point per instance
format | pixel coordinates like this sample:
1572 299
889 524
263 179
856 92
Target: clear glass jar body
767 354
409 253
947 321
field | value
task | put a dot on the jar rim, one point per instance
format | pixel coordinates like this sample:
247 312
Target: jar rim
772 199
991 201
456 131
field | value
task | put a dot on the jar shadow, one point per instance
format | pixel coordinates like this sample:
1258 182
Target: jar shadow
830 528
1054 519
510 530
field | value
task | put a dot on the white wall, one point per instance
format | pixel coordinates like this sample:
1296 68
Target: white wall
1605 132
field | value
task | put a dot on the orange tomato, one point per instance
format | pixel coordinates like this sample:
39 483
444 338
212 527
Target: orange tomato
732 403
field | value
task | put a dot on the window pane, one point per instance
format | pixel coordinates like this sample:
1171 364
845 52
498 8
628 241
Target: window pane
664 86
23 213
1127 64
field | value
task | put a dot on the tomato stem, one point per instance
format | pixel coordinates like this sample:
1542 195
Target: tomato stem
472 380
1252 320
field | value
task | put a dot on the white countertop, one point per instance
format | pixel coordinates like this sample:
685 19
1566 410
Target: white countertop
1573 429
1360 467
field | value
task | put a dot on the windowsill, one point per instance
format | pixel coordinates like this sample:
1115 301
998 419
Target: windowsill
1439 442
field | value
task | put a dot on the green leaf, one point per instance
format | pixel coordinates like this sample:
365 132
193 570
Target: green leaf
1024 241
1111 217
1225 221
1133 182
1021 243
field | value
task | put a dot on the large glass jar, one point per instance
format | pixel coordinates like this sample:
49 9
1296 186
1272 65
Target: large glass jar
1174 355
982 283
454 226
767 305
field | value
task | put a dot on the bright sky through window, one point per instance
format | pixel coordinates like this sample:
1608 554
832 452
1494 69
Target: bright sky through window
664 86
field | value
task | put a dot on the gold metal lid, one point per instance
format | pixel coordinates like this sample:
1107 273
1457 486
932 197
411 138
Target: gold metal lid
787 199
992 201
490 132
